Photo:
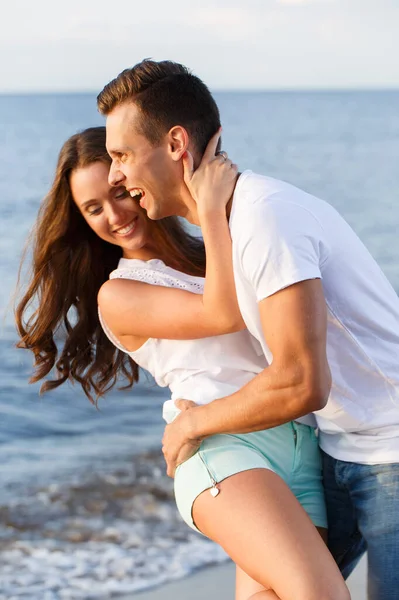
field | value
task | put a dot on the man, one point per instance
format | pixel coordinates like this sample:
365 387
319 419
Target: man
324 315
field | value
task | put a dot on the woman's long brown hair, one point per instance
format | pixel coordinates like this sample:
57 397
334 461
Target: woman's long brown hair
70 263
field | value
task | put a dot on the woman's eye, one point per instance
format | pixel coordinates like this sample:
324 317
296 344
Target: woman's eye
95 211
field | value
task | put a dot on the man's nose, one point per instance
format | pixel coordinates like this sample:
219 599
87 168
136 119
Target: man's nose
115 176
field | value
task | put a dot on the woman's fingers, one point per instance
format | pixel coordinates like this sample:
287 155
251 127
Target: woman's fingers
223 160
210 150
227 169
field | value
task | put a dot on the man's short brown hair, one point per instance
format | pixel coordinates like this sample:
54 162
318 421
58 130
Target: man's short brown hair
167 94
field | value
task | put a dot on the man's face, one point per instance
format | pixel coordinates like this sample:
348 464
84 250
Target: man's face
152 174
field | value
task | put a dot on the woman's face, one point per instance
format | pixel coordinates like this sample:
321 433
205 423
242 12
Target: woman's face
111 212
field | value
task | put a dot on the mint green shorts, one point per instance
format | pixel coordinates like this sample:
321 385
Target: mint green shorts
290 450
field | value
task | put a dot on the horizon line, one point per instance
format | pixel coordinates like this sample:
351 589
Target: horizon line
55 92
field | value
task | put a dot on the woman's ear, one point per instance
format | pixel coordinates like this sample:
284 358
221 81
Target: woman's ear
178 141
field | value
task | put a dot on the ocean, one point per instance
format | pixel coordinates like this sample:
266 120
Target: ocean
86 510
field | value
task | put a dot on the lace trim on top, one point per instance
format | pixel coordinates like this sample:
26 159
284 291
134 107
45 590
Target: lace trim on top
159 277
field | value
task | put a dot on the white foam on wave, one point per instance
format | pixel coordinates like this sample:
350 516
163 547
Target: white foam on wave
100 570
99 536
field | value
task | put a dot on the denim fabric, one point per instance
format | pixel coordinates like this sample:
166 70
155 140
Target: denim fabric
363 514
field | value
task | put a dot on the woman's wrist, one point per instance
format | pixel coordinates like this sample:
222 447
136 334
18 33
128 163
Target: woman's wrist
211 213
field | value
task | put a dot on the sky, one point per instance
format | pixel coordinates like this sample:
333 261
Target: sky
80 45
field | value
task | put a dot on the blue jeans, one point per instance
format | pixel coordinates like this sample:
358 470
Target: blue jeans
363 514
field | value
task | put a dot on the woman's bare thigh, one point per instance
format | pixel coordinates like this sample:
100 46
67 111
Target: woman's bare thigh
266 532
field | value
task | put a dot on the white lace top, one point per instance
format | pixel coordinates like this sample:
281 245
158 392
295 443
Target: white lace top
200 370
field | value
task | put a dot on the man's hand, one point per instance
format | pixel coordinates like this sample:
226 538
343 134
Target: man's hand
178 445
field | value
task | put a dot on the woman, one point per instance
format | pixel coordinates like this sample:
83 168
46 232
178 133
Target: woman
234 489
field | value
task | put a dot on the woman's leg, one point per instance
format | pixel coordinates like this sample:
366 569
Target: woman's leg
249 589
263 528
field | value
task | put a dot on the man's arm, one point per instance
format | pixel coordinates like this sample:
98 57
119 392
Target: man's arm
294 322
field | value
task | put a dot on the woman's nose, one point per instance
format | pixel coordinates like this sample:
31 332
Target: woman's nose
115 215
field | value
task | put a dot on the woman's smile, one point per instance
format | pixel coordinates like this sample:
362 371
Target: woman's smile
127 229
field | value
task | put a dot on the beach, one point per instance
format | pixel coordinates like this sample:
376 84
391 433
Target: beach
218 582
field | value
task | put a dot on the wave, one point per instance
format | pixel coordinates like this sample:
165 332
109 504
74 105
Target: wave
98 535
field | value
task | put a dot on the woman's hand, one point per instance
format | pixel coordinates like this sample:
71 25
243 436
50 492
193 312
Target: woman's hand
212 183
212 186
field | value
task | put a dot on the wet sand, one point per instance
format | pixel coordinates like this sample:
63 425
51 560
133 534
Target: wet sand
218 583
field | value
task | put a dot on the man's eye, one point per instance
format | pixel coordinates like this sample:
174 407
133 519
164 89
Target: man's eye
122 194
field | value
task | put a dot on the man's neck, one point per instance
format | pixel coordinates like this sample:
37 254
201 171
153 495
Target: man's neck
188 207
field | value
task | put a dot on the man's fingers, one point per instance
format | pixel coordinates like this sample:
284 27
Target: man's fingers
210 150
188 167
185 404
170 464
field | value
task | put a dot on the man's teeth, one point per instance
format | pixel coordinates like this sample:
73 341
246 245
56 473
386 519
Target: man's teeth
127 229
136 194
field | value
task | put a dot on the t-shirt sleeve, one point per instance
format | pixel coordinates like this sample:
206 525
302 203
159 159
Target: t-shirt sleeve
281 244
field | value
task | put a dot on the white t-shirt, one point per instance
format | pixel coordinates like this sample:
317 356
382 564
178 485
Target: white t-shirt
282 235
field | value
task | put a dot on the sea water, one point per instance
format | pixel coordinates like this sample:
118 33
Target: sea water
86 510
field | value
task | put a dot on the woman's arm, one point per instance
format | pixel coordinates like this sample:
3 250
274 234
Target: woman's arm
141 310
219 292
132 308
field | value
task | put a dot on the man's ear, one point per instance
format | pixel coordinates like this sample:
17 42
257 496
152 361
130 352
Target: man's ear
178 142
